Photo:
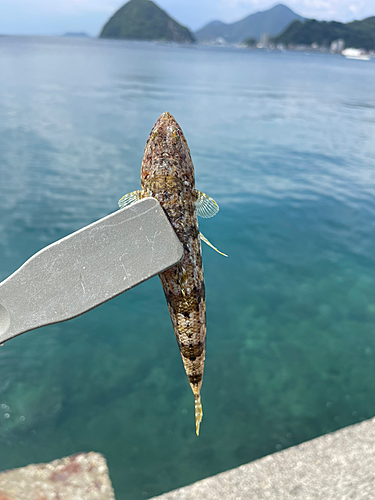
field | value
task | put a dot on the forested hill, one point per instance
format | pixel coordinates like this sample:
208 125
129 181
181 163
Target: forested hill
272 21
357 34
144 20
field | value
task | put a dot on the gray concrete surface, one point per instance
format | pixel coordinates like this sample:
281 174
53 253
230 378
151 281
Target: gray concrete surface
79 477
337 466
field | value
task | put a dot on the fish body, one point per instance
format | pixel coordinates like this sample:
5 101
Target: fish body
167 174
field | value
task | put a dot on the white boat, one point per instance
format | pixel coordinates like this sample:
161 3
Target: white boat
358 54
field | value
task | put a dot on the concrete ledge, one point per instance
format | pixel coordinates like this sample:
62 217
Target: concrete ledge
336 466
79 477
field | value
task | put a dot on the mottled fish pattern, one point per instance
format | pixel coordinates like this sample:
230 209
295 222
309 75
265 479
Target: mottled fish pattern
167 174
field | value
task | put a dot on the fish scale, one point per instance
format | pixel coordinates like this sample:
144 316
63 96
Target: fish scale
167 174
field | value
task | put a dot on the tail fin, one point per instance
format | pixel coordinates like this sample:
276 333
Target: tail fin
198 413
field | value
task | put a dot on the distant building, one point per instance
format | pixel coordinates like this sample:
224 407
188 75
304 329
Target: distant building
219 41
337 46
264 41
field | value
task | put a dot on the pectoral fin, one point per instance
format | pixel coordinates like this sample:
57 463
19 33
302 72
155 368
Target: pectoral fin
203 238
129 198
206 206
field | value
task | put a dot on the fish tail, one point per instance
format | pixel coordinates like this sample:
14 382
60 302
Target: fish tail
198 412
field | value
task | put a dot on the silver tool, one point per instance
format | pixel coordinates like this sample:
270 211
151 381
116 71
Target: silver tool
88 267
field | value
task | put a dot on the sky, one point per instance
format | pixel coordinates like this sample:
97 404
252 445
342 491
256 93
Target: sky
56 17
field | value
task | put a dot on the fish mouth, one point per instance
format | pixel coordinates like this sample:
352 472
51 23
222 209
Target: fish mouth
167 118
167 130
168 122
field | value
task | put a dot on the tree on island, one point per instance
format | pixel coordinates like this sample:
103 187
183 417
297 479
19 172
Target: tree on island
250 42
144 20
357 34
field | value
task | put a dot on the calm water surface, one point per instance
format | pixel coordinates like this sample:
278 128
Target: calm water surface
285 143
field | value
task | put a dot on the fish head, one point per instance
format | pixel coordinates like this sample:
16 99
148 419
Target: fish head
167 153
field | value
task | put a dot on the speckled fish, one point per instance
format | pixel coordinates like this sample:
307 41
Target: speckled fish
167 174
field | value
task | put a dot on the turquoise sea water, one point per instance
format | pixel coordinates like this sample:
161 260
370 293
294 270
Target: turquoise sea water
285 143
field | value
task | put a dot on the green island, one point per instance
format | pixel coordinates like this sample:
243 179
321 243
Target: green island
356 34
144 20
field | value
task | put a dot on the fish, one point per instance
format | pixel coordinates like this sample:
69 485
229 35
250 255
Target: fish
167 174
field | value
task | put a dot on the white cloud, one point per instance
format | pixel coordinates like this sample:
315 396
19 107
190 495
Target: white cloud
328 9
72 7
46 17
340 10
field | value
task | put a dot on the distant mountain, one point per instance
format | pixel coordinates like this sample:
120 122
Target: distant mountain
144 20
357 34
74 34
272 21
